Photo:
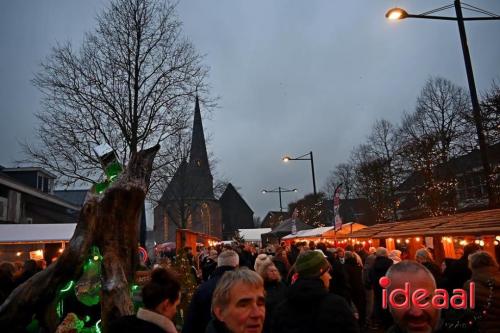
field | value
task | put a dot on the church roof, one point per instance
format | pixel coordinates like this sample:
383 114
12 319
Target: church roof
232 192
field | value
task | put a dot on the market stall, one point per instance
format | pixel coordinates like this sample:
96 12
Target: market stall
446 235
19 242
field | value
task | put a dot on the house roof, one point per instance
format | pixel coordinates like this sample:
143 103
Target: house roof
18 186
458 165
28 169
36 233
76 197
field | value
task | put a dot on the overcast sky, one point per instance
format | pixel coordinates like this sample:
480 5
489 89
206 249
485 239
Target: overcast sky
293 76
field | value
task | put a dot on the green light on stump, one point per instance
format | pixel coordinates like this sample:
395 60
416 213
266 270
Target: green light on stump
68 286
113 170
97 328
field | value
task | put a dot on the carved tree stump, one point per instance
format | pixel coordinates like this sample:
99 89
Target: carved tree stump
110 221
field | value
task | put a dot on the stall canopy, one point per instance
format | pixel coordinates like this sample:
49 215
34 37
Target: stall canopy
477 223
36 233
327 232
253 235
285 228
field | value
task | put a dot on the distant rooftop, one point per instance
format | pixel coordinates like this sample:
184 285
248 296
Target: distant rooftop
76 197
28 169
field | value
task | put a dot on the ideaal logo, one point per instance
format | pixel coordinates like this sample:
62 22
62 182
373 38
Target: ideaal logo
422 298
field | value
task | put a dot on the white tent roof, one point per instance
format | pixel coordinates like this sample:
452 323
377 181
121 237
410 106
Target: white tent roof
253 235
36 233
318 232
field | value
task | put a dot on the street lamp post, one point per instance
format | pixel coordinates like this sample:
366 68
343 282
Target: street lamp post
304 158
399 13
279 190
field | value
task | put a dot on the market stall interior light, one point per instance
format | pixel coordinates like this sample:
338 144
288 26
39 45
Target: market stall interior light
417 239
481 243
407 241
18 254
497 238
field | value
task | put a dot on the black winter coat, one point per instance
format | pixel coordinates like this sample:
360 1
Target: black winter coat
215 326
199 313
308 307
275 294
132 324
354 273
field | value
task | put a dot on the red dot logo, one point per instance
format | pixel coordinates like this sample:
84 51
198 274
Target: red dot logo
384 282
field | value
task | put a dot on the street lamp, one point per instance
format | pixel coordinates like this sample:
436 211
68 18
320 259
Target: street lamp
279 190
399 13
304 158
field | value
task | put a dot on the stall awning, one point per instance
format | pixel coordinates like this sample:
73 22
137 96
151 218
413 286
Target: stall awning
477 223
253 235
36 233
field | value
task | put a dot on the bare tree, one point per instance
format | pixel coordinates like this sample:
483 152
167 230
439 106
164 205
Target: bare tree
439 113
385 145
343 173
372 182
490 109
130 85
434 133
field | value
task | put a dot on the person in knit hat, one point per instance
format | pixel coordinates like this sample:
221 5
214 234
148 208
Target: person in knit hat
308 306
261 260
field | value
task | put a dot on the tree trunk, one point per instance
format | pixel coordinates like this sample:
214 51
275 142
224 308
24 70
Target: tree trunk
109 221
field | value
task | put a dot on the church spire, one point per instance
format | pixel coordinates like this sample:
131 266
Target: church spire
198 157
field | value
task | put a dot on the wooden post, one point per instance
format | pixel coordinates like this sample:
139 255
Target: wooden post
489 246
439 255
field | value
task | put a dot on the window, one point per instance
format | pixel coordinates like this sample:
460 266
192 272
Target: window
3 209
471 186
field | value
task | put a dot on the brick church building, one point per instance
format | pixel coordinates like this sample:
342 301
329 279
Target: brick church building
189 202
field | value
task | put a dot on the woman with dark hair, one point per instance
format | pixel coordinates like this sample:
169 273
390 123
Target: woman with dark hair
7 271
160 296
275 290
353 267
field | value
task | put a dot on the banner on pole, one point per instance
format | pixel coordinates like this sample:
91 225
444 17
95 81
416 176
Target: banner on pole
295 215
336 206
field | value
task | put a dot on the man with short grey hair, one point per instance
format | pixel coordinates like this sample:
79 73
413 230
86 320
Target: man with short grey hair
199 313
412 319
238 303
228 258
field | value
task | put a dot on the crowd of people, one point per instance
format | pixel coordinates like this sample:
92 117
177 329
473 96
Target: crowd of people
309 287
13 274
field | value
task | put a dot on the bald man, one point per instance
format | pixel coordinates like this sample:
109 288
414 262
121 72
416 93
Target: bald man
413 319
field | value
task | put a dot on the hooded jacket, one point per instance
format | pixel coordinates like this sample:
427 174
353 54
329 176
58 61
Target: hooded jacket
308 307
200 313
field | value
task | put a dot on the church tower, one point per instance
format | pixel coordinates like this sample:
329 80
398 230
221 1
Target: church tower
188 201
198 167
